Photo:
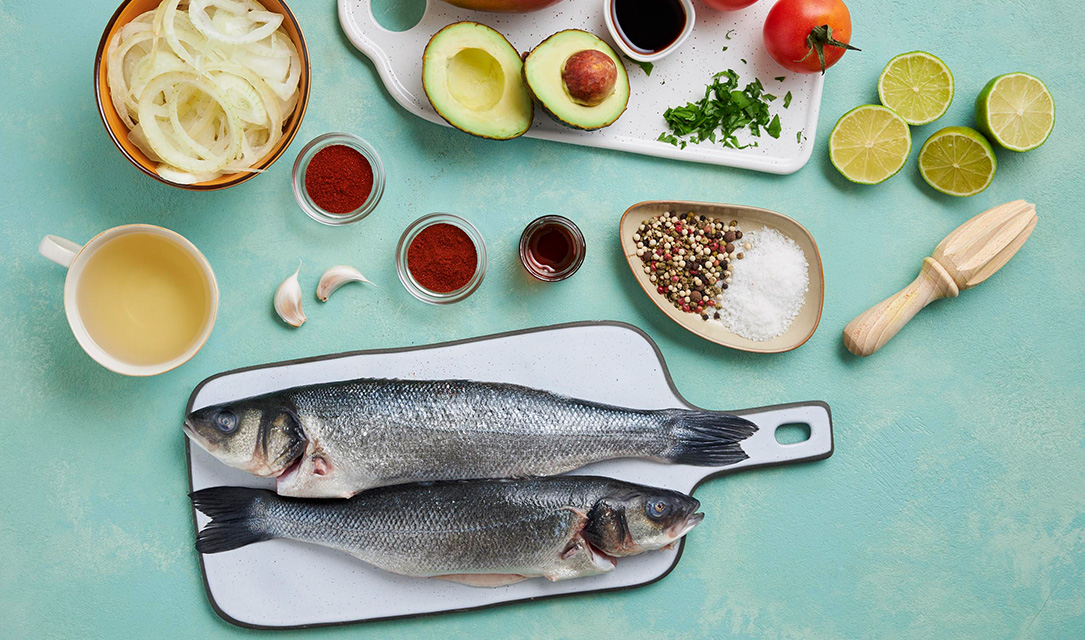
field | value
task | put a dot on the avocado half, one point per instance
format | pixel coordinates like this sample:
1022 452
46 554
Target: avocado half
543 69
472 77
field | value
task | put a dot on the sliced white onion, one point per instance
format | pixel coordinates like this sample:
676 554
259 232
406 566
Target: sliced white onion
173 144
233 22
174 174
205 86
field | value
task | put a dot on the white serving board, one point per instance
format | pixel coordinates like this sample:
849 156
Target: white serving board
679 78
284 583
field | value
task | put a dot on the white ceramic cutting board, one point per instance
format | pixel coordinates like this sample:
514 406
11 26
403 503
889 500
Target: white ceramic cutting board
283 583
679 78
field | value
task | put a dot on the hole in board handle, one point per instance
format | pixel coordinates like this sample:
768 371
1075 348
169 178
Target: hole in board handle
792 433
398 15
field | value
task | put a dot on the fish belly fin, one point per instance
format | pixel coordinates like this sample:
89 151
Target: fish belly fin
706 438
484 579
596 565
232 511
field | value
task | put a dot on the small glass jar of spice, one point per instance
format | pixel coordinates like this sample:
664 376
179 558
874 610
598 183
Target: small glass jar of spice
338 179
441 258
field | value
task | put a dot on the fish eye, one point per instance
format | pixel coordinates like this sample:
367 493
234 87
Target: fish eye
226 421
657 509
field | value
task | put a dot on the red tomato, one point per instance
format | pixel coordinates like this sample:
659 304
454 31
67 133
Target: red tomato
729 5
807 36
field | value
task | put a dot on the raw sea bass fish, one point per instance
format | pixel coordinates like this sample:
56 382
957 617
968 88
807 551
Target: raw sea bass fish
334 440
478 532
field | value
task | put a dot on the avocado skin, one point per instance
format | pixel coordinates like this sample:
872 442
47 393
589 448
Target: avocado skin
438 110
542 105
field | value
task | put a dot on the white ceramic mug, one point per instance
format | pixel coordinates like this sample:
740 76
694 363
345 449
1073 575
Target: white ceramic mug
75 257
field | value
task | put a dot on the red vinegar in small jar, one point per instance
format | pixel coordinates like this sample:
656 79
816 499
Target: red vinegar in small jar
552 248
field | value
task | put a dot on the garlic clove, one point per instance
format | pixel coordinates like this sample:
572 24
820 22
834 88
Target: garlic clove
336 277
288 300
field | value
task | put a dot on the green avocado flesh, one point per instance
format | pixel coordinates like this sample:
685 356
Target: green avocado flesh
543 75
471 75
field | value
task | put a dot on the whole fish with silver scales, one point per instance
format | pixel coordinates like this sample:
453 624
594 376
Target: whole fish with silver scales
483 533
336 439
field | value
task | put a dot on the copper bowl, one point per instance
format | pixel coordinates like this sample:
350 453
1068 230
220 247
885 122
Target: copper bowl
118 131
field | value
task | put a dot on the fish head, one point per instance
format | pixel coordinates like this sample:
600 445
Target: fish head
263 436
629 524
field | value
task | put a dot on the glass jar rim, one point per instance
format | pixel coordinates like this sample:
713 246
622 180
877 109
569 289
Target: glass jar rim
407 278
579 250
301 164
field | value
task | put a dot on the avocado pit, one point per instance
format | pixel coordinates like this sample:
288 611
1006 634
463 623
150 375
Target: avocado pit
577 79
589 77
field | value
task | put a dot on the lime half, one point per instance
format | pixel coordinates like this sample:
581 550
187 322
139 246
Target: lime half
1017 111
958 161
918 86
869 144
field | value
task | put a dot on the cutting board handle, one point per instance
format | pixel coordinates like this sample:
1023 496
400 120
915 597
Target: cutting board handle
360 12
873 328
361 27
765 450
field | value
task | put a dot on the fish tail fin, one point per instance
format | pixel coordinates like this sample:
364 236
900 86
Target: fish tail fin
707 439
235 517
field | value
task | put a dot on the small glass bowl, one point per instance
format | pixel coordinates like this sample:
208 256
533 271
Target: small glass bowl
579 247
422 293
302 163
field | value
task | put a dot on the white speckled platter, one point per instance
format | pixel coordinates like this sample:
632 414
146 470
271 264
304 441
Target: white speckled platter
679 78
288 584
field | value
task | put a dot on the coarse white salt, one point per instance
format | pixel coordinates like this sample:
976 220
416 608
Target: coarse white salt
767 287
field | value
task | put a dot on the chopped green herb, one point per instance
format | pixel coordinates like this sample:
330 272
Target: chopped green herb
774 127
664 137
646 66
768 96
787 99
725 48
798 137
728 34
743 60
781 78
724 110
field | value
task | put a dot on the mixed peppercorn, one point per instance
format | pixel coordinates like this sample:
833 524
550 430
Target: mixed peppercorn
688 258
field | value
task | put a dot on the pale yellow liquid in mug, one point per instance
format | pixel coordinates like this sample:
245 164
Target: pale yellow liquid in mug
143 298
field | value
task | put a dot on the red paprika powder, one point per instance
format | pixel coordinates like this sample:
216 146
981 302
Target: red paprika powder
442 258
338 179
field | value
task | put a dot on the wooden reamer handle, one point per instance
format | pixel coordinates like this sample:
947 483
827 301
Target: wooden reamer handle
872 329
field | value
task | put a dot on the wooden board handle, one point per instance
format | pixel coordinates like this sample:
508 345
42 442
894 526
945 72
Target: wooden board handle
873 328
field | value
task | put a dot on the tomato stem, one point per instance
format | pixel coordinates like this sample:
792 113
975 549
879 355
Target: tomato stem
819 38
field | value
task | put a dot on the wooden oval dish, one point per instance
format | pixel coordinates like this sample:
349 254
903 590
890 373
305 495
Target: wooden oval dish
749 219
118 131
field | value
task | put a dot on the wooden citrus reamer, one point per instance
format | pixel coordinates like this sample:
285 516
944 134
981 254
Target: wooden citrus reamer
965 258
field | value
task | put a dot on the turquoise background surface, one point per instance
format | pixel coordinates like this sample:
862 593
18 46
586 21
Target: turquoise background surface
953 507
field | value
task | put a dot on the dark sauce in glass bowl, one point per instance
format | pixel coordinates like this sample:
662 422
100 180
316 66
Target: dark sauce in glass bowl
649 26
552 248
